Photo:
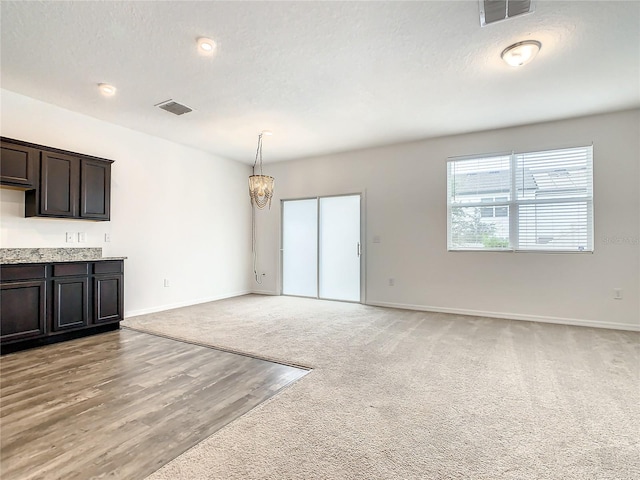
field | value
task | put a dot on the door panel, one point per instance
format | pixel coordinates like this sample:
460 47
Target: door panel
339 248
300 247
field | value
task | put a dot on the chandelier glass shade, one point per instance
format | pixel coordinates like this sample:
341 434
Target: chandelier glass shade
261 190
260 186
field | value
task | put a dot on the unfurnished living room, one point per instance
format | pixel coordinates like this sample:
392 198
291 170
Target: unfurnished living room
320 240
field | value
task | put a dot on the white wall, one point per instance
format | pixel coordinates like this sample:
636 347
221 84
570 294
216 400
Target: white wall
405 195
176 212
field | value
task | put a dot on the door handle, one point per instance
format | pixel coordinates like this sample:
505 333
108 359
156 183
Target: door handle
359 250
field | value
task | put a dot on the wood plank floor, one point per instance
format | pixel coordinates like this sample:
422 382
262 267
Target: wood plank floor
121 404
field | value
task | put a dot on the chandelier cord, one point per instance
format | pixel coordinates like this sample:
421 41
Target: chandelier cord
253 216
257 277
258 155
253 246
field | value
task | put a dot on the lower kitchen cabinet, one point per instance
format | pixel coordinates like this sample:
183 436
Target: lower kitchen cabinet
108 298
45 303
70 303
22 309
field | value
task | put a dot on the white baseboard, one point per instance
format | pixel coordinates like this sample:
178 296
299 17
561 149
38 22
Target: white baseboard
512 316
161 308
264 292
406 306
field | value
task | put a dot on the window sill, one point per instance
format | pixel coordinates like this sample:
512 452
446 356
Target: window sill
508 250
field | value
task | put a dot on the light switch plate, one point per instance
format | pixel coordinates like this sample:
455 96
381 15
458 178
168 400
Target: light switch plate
71 237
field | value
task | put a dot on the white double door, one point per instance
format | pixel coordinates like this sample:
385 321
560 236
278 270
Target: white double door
321 248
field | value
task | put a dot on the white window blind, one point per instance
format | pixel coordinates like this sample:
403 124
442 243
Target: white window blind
541 201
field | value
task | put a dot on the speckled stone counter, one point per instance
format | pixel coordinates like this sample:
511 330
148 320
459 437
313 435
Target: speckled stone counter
13 256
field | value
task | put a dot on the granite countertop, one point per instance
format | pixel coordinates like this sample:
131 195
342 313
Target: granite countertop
14 256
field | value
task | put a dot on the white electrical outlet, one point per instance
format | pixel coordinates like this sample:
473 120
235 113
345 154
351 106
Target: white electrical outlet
617 293
107 237
71 237
392 282
82 237
166 282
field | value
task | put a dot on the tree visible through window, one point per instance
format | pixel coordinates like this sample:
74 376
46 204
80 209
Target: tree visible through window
522 201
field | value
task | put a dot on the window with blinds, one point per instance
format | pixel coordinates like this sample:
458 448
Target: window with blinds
531 201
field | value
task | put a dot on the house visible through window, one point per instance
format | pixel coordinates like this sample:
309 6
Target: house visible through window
522 201
494 211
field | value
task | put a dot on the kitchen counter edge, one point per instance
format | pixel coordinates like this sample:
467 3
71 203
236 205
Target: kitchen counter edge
21 261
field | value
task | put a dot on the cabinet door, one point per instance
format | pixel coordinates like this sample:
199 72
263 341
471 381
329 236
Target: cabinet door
95 189
17 165
22 310
70 303
59 185
107 294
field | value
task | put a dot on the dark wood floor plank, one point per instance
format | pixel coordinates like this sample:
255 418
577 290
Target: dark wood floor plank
121 404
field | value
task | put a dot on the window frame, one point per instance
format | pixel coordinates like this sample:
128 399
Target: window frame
512 204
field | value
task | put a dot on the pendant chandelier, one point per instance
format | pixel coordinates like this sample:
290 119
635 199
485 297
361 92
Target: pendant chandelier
260 186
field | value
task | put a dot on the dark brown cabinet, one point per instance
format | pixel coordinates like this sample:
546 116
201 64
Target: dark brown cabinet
70 302
23 300
42 303
107 295
58 183
71 187
95 189
59 180
18 165
108 289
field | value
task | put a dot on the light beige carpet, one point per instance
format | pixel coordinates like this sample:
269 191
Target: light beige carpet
397 394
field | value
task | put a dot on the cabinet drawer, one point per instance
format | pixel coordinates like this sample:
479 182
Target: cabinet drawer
21 272
108 267
70 269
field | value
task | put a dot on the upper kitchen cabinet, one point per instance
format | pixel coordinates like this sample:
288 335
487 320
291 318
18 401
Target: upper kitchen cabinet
18 165
59 184
63 184
95 189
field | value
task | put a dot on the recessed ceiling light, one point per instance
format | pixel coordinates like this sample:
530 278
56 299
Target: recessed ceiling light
521 53
206 46
106 89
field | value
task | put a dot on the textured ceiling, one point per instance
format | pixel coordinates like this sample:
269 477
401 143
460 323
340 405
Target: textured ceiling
323 76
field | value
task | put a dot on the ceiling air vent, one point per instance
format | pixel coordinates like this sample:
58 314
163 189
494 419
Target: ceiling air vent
492 11
174 107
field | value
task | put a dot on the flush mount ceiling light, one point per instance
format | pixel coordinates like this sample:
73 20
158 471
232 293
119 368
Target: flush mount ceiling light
521 53
106 89
206 46
260 186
